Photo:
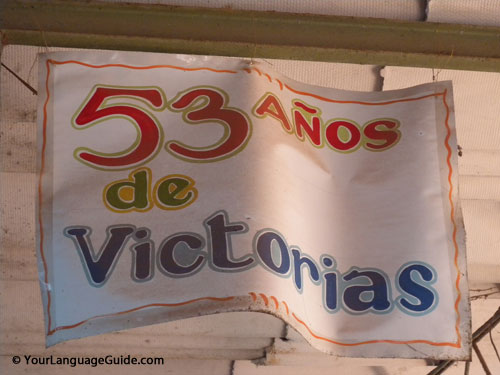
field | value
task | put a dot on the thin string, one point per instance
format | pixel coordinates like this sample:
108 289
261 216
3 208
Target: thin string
254 52
435 78
254 37
435 75
494 346
35 21
35 60
267 62
40 48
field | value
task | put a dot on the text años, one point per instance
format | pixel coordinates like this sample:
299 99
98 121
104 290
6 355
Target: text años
207 104
357 291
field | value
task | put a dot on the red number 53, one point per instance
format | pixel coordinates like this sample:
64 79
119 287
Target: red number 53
198 105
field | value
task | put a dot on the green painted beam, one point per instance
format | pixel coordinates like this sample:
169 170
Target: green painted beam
160 28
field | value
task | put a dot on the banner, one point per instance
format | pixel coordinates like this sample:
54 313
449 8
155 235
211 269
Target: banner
173 186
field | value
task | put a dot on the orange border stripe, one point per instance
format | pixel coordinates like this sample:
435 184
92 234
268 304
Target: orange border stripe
277 304
257 70
286 306
452 216
139 67
358 102
455 345
224 299
40 195
264 297
280 83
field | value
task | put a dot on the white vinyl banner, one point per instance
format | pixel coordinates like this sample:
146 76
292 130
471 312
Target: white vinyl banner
173 186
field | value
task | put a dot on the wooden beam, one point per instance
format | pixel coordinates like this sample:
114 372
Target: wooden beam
207 31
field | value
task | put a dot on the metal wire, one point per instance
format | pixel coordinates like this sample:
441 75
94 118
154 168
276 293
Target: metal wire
482 331
20 79
494 346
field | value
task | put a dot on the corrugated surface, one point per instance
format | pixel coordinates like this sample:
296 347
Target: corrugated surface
186 345
476 12
394 9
